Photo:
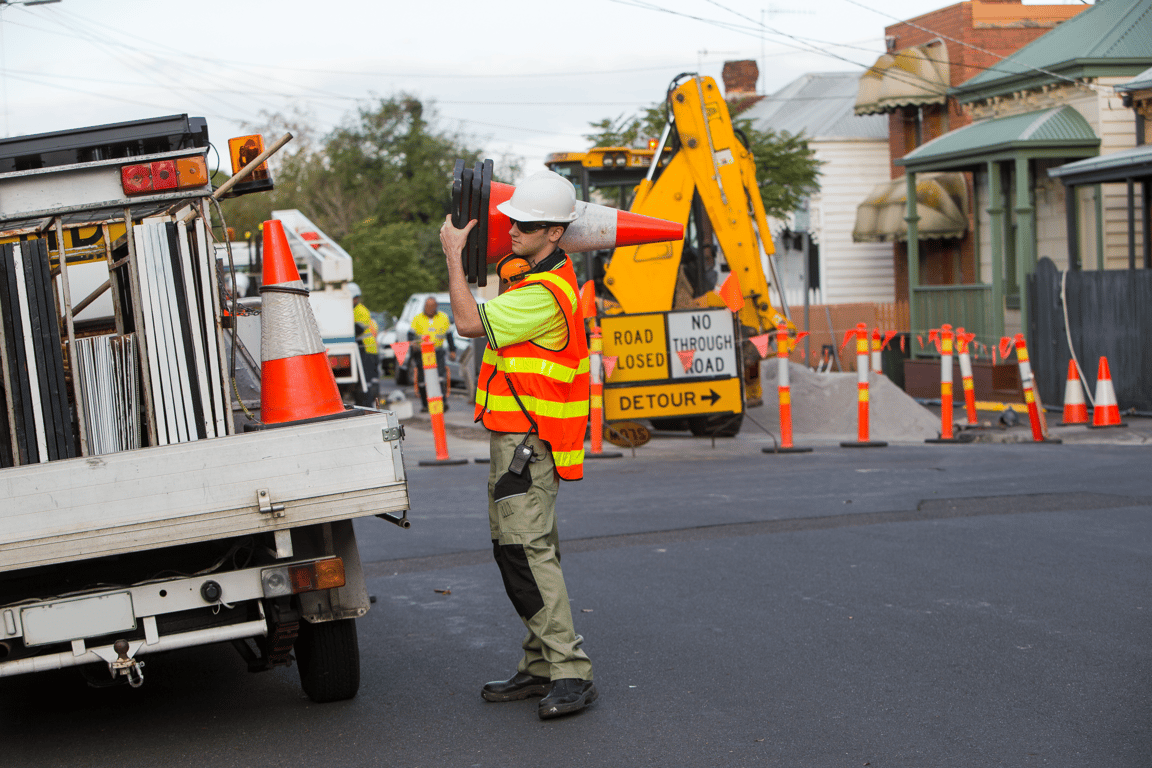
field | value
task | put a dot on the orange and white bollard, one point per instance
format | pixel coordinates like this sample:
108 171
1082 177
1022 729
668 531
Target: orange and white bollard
879 343
596 398
1075 408
945 336
784 392
862 440
962 341
1105 411
1027 383
435 406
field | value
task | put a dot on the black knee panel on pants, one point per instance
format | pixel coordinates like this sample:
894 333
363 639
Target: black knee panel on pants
519 582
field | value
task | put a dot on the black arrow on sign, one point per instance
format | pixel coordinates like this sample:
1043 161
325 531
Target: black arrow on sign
711 397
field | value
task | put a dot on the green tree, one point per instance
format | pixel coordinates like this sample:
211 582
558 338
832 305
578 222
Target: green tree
378 184
787 170
624 131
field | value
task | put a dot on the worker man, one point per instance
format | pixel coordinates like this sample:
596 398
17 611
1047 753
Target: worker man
532 395
366 331
432 322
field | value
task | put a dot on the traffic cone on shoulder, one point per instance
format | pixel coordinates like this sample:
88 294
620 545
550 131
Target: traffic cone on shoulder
296 380
1075 409
1105 413
435 406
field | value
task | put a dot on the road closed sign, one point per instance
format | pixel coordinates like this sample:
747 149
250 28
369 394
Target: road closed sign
711 337
679 363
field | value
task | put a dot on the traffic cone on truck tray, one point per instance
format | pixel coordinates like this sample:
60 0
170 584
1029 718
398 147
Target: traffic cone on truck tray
1105 412
1075 409
296 380
596 227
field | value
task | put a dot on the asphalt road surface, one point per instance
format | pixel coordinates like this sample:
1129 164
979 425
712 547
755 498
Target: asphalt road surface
917 605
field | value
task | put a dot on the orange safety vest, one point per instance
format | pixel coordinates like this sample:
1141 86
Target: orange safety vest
551 384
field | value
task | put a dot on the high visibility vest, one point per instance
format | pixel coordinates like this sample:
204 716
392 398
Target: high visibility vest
552 384
368 338
435 326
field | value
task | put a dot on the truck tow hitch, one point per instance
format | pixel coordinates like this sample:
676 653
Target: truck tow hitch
133 669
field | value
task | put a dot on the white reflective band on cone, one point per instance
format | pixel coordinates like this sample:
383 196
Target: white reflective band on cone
862 368
280 313
946 368
877 367
594 368
594 229
432 383
782 372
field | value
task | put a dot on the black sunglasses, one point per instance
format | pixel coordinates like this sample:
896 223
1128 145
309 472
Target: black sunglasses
528 227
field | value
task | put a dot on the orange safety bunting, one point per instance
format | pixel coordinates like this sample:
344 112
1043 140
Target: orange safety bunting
920 340
902 350
730 293
686 356
610 365
1005 347
400 349
888 336
848 336
761 343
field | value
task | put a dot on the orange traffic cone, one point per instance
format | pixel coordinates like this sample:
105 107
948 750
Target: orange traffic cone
1075 409
1105 413
596 227
296 380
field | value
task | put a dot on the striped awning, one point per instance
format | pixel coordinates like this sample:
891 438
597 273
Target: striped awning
941 204
907 78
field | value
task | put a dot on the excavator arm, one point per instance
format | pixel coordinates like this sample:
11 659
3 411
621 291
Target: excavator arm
711 163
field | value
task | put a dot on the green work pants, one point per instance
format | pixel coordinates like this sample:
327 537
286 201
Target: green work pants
522 518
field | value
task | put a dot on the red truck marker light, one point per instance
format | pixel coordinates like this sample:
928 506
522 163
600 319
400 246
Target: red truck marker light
136 179
163 175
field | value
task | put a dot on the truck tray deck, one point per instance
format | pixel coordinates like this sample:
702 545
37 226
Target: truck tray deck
91 507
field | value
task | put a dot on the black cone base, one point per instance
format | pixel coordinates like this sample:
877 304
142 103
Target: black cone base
441 462
864 444
792 449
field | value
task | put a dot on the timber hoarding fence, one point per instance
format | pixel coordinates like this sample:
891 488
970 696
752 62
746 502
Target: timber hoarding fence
1109 315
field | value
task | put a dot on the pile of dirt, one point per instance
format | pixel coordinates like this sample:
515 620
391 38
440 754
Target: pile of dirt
824 407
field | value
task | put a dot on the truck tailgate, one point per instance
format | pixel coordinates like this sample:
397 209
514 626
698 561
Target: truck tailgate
208 489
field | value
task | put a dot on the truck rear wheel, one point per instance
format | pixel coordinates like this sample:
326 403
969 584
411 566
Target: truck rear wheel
719 425
328 657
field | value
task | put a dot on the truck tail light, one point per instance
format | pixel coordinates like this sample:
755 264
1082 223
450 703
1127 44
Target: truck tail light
192 172
135 179
305 577
163 175
340 362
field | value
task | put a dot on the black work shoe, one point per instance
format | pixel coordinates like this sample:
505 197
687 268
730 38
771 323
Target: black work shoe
568 695
520 686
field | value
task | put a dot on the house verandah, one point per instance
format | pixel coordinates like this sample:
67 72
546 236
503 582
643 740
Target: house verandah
1016 209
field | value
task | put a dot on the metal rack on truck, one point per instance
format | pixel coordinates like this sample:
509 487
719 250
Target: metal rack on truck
135 515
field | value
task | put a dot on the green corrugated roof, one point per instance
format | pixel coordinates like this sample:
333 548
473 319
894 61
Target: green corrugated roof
1059 128
1142 82
1113 37
1135 163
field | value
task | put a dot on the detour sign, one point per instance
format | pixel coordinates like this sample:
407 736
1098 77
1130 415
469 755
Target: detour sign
673 399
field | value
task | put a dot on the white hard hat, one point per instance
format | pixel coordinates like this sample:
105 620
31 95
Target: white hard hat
544 196
353 289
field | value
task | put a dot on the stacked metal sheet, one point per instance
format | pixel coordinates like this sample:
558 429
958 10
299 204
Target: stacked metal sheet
35 392
179 332
110 392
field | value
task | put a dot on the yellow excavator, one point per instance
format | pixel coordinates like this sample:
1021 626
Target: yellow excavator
681 358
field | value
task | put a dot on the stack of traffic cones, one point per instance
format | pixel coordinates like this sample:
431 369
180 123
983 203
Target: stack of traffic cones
1105 411
296 380
1075 409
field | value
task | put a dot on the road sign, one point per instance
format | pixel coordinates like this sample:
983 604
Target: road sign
660 400
640 344
712 336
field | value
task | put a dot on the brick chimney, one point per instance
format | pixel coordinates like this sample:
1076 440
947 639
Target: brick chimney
740 78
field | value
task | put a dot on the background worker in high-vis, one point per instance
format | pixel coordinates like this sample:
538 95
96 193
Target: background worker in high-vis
432 322
532 394
366 330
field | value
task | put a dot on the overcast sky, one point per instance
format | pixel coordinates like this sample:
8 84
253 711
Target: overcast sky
520 78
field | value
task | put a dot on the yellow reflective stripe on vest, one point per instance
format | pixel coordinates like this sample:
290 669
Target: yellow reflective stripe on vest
559 282
536 406
568 458
549 368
